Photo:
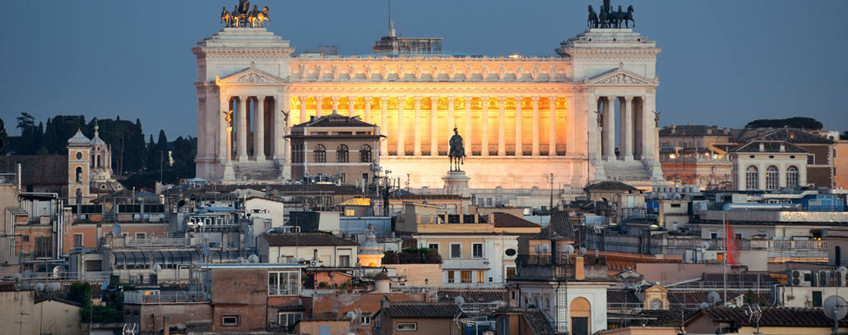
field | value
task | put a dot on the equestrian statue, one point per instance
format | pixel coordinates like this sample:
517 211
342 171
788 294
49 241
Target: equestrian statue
457 151
607 17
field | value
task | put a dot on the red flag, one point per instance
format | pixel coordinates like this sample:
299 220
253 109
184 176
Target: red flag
732 247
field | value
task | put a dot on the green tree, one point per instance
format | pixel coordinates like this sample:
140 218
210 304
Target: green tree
793 122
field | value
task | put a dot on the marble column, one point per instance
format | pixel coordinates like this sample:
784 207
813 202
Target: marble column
335 105
484 126
259 129
501 127
416 131
351 104
367 107
224 151
627 131
609 128
467 136
535 149
384 126
280 105
241 135
319 106
451 117
401 151
519 150
303 109
552 127
434 126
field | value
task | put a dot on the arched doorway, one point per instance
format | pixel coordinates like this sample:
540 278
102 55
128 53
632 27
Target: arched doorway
581 314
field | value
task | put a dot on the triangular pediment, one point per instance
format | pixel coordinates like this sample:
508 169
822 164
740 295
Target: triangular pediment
250 76
620 77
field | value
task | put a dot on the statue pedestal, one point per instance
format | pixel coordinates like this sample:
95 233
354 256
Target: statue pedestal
456 183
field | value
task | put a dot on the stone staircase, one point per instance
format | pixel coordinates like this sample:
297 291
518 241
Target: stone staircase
626 171
257 171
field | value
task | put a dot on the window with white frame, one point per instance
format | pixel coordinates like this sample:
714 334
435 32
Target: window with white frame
287 320
752 178
407 326
434 246
365 320
283 283
477 250
230 320
792 176
771 177
456 250
77 240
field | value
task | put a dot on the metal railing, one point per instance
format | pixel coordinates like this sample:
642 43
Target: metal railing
147 297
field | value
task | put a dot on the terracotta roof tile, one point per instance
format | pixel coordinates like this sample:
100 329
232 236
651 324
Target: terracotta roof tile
422 310
506 220
306 239
772 317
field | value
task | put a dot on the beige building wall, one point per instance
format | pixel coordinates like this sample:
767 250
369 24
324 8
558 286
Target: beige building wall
57 318
840 163
416 274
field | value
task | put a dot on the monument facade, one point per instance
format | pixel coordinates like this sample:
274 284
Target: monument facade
586 114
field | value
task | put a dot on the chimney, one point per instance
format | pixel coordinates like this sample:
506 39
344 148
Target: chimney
782 147
18 167
491 218
673 128
579 268
315 254
762 147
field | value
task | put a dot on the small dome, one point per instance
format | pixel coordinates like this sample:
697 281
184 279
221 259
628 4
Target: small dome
79 139
96 140
370 246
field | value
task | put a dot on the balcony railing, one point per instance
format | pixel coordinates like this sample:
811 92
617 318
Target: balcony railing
147 297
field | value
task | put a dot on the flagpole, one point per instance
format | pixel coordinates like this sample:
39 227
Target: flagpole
724 259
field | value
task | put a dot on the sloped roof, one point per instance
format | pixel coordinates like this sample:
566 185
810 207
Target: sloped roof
506 220
768 146
334 120
472 296
306 239
791 135
79 139
419 310
537 320
38 169
610 186
692 130
772 317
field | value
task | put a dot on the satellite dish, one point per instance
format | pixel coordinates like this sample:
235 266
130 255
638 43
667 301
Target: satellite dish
568 249
157 268
459 301
104 286
713 297
581 251
835 307
350 315
39 287
241 260
54 287
116 229
253 259
705 305
705 244
842 269
17 276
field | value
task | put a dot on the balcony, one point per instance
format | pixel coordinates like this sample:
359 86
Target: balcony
156 297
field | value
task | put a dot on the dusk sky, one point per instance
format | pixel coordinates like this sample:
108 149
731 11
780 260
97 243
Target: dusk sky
722 63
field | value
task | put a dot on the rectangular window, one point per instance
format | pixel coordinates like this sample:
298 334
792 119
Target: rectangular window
481 276
456 250
284 283
714 236
288 320
450 277
25 238
510 272
77 240
817 299
43 247
344 260
140 236
350 212
477 250
466 276
230 320
433 246
407 326
365 320
342 177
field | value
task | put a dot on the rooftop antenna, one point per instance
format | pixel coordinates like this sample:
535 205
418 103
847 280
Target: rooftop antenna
391 23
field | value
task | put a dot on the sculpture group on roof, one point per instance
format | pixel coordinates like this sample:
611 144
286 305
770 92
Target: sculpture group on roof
242 16
608 17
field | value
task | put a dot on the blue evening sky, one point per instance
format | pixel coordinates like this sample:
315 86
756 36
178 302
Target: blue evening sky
723 62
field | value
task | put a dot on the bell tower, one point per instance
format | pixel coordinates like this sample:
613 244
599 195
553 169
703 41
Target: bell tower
79 169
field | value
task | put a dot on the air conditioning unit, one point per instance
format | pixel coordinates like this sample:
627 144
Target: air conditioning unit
839 278
824 279
315 263
803 278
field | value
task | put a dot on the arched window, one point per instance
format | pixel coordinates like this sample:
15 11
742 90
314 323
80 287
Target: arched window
365 153
752 178
319 155
97 162
771 178
79 174
79 196
792 176
342 154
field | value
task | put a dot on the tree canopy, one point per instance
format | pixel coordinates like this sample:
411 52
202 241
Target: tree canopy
793 122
